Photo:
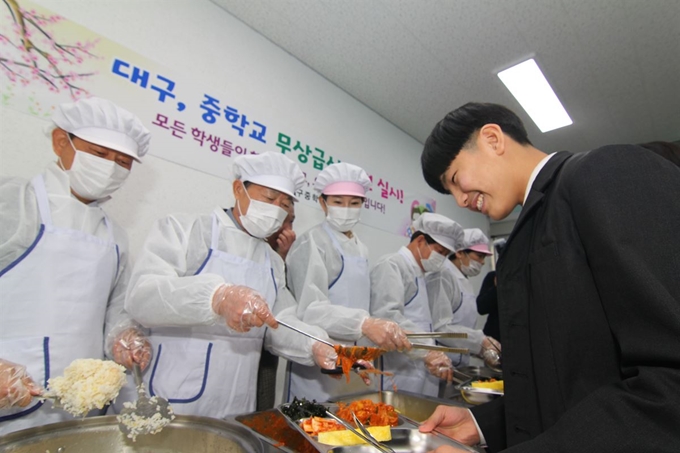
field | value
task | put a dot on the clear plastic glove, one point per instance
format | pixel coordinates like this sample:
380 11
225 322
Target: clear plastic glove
131 346
491 353
364 374
324 355
242 308
16 386
439 365
385 334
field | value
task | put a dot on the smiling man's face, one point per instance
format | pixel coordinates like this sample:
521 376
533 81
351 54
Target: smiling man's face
480 177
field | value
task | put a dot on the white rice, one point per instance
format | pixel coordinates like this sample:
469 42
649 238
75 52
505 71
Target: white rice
87 384
144 425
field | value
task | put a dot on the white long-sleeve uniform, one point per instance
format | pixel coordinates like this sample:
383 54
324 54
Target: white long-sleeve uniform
393 284
63 276
399 293
166 295
313 264
329 274
446 305
21 221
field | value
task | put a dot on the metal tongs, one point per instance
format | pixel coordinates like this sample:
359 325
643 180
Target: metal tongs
368 434
305 333
430 347
355 367
460 335
362 432
410 335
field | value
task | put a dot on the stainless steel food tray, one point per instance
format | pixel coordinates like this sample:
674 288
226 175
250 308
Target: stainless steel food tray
413 406
405 437
405 440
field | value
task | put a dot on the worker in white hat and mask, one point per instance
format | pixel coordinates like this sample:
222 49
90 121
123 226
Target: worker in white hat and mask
453 302
329 275
208 285
63 262
399 293
470 257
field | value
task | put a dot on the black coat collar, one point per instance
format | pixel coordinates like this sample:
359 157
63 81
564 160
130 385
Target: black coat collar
543 180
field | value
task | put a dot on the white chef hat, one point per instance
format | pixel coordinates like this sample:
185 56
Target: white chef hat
103 123
271 170
475 239
445 231
343 179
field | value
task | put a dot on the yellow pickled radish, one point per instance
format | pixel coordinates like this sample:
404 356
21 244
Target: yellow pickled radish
494 385
346 437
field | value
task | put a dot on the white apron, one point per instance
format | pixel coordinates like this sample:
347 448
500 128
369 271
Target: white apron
209 370
465 314
352 289
53 301
411 375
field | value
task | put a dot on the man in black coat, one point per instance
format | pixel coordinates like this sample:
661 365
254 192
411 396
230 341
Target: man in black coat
588 288
487 304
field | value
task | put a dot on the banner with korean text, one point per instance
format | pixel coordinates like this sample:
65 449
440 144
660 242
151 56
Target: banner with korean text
46 59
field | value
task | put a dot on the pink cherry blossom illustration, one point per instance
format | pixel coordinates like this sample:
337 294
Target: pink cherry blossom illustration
31 53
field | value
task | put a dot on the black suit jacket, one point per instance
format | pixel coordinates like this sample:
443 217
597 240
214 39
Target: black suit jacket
589 300
487 304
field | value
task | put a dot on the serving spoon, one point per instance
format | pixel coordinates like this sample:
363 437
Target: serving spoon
148 415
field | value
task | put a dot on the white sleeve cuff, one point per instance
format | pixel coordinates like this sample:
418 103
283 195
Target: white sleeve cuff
482 440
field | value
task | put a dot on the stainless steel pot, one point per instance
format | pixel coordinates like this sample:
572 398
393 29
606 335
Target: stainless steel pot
186 434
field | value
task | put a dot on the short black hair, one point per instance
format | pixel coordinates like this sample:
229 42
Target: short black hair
668 150
454 132
427 237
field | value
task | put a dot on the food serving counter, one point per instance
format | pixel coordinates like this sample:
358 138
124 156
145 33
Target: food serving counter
265 432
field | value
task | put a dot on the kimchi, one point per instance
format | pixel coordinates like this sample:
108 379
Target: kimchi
369 413
348 355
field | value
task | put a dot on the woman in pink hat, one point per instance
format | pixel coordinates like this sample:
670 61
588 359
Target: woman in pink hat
329 275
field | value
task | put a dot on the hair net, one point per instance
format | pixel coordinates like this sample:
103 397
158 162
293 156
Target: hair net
270 170
445 231
103 123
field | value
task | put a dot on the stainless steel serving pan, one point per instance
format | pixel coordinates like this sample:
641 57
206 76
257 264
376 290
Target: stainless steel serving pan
405 440
414 407
186 434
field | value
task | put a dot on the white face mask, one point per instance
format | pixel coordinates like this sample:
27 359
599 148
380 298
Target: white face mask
342 219
434 263
262 219
472 269
94 178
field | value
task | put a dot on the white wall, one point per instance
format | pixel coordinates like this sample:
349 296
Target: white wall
201 42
